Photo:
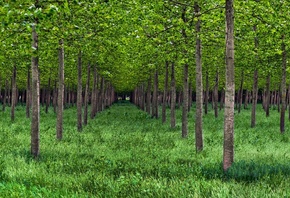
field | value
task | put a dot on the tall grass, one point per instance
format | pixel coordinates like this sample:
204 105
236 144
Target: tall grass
123 152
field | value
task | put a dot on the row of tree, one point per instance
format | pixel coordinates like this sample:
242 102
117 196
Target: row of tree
130 42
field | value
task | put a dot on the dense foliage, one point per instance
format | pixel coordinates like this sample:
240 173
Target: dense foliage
129 39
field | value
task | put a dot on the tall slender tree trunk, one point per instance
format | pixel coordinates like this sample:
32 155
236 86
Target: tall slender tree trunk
8 94
216 94
255 87
246 99
79 93
199 86
185 83
206 95
142 103
148 96
278 100
165 93
241 92
173 97
228 151
283 87
14 94
155 96
185 102
102 95
60 97
5 95
87 95
94 93
268 95
35 93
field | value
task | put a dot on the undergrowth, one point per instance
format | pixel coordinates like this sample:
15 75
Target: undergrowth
123 152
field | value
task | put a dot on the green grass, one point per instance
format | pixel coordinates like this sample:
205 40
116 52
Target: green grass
123 152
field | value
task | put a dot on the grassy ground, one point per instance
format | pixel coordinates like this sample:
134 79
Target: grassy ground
125 153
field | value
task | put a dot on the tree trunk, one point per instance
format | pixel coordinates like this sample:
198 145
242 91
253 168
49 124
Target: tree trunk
87 95
102 95
165 93
155 96
283 87
268 95
241 92
199 86
185 102
173 97
228 151
216 94
148 97
14 94
35 94
255 88
246 99
5 95
142 102
60 97
79 93
94 94
206 95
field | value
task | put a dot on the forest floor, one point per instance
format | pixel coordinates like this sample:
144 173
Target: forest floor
123 152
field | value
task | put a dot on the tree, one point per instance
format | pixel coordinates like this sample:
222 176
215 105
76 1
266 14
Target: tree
35 91
79 93
60 97
199 86
228 151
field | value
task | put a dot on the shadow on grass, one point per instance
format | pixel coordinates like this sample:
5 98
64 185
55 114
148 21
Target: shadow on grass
246 171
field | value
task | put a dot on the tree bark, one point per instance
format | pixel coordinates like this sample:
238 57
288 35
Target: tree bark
148 96
206 95
199 86
79 93
173 97
14 94
246 99
102 95
283 87
87 95
155 96
5 95
228 151
185 102
165 93
268 95
35 94
60 97
255 87
241 92
94 94
216 94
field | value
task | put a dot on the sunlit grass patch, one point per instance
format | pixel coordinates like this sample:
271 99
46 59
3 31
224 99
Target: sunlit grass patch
123 152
